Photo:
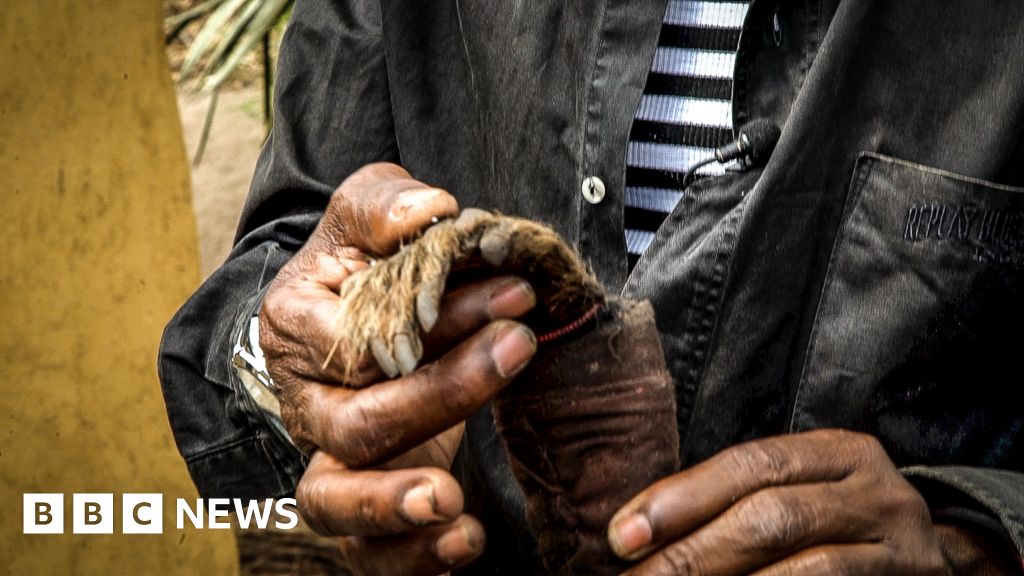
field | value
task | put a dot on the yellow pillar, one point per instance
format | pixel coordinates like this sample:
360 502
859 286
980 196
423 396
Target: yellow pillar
97 249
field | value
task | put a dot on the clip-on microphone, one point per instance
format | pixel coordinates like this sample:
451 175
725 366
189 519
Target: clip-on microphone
755 142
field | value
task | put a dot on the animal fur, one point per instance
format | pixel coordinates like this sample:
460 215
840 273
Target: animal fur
386 308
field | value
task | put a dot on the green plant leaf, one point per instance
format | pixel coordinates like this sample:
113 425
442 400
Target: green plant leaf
232 32
208 34
178 22
261 23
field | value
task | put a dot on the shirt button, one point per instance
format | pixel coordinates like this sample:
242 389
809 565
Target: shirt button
593 189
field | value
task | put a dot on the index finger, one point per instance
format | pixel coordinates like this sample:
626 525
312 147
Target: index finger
679 504
365 426
337 501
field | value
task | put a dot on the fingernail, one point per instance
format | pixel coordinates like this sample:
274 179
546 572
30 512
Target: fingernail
495 245
412 200
383 356
513 347
405 354
458 545
427 302
511 300
630 534
418 505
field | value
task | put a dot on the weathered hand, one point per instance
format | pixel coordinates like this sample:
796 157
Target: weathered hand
821 502
404 515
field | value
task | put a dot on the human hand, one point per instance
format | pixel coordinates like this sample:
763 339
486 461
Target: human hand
405 514
821 502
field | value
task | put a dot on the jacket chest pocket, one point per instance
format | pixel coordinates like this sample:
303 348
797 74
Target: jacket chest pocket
919 333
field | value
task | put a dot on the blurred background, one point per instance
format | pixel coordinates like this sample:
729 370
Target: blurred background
128 134
222 60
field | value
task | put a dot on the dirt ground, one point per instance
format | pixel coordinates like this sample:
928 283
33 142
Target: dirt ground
221 181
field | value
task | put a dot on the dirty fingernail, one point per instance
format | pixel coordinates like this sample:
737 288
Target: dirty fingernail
630 534
459 544
511 300
418 505
513 347
414 199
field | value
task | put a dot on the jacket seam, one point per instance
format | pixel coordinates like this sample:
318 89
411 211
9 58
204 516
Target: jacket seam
861 173
387 78
718 294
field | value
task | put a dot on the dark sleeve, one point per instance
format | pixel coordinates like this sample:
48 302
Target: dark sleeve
332 115
989 501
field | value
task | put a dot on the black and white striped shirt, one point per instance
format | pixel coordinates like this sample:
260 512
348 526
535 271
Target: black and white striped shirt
684 112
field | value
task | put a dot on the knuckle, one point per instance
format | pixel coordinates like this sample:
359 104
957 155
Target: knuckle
278 318
764 461
678 559
770 521
356 435
310 497
368 513
458 394
913 507
342 215
275 314
935 563
340 201
272 303
464 380
294 414
867 446
829 562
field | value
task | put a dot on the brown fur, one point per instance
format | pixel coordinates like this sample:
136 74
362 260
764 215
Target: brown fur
383 308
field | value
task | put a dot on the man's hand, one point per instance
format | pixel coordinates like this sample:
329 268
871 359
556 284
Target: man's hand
822 502
403 515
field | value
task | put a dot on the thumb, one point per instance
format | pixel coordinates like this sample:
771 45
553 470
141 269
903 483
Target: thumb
379 207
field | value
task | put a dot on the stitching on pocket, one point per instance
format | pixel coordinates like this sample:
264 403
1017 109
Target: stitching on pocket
942 173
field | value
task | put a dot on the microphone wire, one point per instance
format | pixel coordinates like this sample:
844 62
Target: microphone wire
691 171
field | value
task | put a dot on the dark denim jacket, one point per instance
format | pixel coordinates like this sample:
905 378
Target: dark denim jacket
871 276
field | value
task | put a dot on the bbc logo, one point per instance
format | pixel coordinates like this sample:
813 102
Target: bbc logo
143 513
93 513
